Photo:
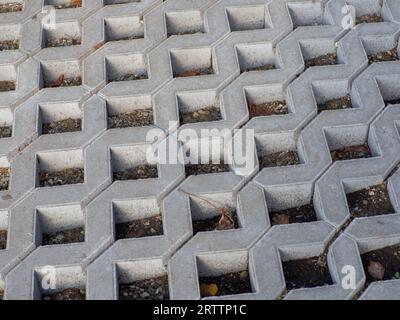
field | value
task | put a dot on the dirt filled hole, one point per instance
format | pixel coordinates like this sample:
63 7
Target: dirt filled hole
5 132
3 239
147 227
6 86
62 42
197 169
369 18
279 159
136 118
63 177
264 67
201 115
67 294
4 178
390 55
335 104
323 60
11 7
307 273
194 72
226 220
267 109
351 152
67 125
63 237
226 284
9 45
382 264
63 81
130 77
140 172
302 214
71 5
149 289
371 201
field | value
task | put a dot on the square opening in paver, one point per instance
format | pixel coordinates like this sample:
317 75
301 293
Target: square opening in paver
224 274
370 201
192 62
129 163
382 56
11 6
142 280
60 74
335 104
137 218
201 106
60 225
4 217
5 173
113 2
264 101
127 112
60 118
59 168
126 68
65 34
9 37
382 264
124 28
70 283
213 212
318 52
300 214
306 13
184 22
64 4
307 273
8 78
366 11
256 57
247 17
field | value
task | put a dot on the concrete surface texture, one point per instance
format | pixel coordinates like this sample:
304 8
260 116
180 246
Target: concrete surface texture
83 83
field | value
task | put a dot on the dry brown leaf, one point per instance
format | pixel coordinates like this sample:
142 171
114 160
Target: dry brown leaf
208 290
58 82
376 270
226 222
76 3
280 218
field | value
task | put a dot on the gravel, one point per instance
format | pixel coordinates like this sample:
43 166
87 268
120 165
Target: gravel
68 125
149 289
335 104
11 7
136 118
65 236
7 86
279 159
63 177
202 115
4 178
67 294
130 77
62 42
194 73
3 239
9 45
139 172
390 55
196 169
147 227
5 132
324 60
267 109
369 18
265 67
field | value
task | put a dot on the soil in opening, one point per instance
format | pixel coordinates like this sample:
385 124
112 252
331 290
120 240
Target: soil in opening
371 201
11 7
395 101
351 152
140 172
67 294
324 60
71 5
369 18
226 284
136 118
149 289
267 109
63 177
5 132
390 55
147 227
302 214
64 237
67 125
1 295
3 239
62 81
4 178
335 104
196 169
194 72
201 115
226 220
7 86
265 67
62 42
130 77
9 45
382 264
307 273
279 159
